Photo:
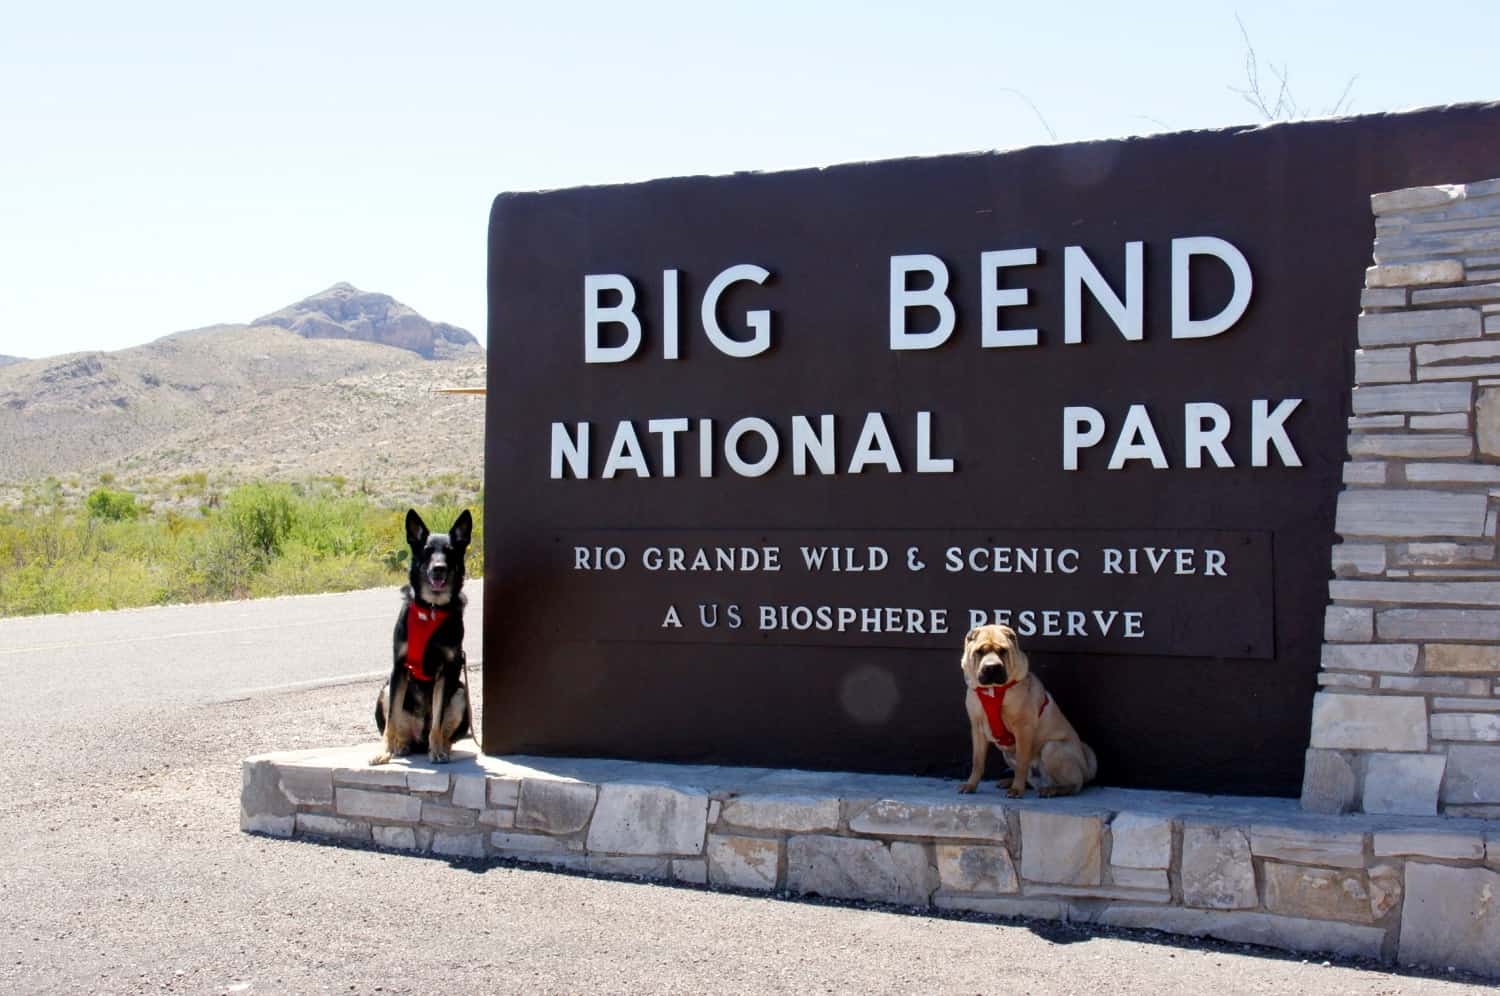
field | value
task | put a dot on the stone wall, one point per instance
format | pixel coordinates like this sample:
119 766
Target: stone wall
1247 870
1408 716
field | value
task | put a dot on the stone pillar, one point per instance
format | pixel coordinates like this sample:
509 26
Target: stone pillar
1408 716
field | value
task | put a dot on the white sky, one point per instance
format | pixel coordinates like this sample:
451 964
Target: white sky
166 166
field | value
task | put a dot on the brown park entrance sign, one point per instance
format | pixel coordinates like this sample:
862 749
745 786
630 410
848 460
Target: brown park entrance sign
761 448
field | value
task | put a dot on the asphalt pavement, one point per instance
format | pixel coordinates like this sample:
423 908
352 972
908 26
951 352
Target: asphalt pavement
122 868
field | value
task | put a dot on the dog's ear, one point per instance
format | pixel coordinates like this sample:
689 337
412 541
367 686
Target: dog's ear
462 529
416 529
970 635
1017 664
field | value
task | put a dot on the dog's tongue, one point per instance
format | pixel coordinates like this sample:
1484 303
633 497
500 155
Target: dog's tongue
438 584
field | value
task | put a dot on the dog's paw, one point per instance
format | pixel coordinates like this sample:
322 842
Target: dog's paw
438 756
968 788
384 757
1014 793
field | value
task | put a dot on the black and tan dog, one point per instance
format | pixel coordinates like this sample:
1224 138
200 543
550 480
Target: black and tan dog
424 706
1008 707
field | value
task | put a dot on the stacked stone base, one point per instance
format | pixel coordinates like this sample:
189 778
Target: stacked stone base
1407 889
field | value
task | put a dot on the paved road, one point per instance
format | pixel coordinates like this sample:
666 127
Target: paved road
122 869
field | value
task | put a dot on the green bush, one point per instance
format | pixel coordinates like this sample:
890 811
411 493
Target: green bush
112 506
114 551
260 516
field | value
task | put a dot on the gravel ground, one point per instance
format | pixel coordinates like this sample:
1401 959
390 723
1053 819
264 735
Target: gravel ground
122 870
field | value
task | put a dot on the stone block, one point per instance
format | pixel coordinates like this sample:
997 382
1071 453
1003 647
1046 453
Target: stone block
1438 271
1151 879
1438 624
1386 889
975 868
1061 848
427 781
638 866
468 791
785 813
1477 371
318 825
1345 679
383 776
1434 325
1008 906
1382 366
1293 933
261 795
1348 624
1435 685
951 821
1466 726
1411 446
1478 593
1329 782
1382 297
1140 841
743 862
1409 398
1320 893
646 819
855 868
1417 198
306 786
504 792
1474 293
1403 783
1369 722
1388 658
1367 423
1365 472
1456 845
271 826
526 846
435 814
1445 554
1410 514
499 819
1492 850
1458 353
693 871
1451 917
1331 848
458 845
1466 705
1358 558
554 806
1458 658
395 838
1443 423
1487 422
1099 892
1217 870
377 805
1473 775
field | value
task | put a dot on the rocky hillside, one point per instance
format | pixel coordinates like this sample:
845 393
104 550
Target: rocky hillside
264 399
8 360
346 312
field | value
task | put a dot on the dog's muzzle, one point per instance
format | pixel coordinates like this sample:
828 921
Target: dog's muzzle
991 671
437 576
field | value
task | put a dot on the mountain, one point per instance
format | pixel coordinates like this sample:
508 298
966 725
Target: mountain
263 399
346 312
6 361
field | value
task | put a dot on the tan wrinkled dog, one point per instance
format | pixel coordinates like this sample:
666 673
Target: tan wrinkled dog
1008 707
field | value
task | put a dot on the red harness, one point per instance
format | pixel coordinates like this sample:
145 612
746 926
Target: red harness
421 622
992 698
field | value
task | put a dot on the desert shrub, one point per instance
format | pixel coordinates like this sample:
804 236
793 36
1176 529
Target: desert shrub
111 506
260 515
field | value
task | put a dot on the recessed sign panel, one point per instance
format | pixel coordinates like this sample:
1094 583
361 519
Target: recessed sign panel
762 448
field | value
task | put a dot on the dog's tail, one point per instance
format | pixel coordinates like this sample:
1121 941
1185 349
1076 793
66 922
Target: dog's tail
380 710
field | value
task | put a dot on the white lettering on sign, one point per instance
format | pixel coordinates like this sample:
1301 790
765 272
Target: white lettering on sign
597 315
571 452
1137 439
